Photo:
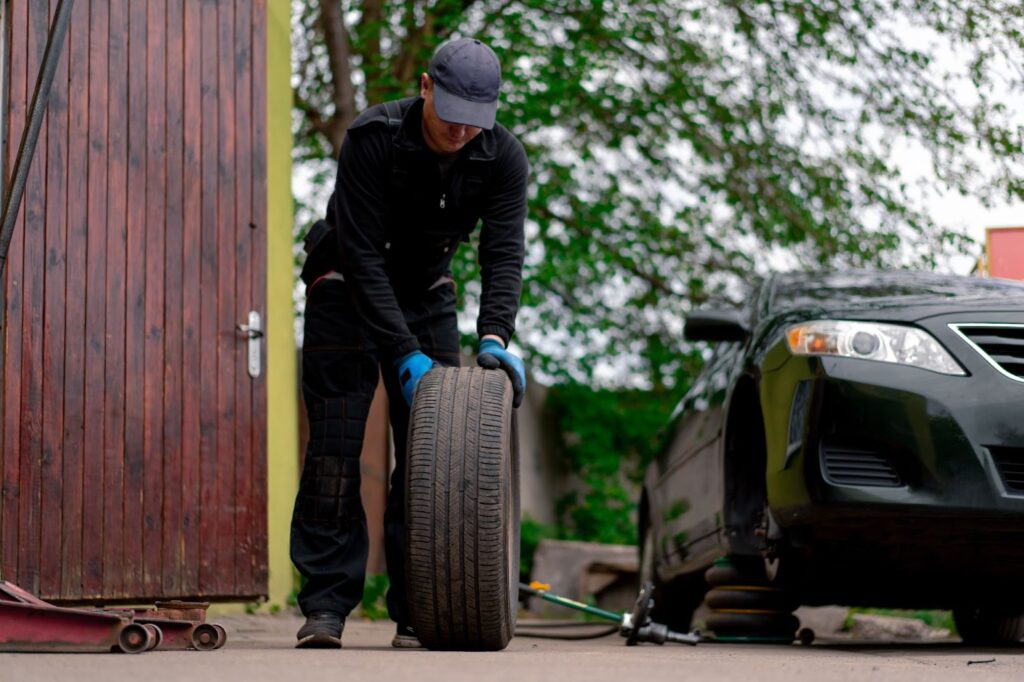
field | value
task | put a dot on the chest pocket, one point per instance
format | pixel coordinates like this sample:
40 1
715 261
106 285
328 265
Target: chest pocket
407 195
418 220
401 170
469 190
472 190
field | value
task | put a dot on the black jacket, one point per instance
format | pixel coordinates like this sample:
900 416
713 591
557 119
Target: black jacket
398 225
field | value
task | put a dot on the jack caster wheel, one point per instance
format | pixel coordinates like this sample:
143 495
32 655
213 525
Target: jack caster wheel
134 639
156 635
204 637
222 635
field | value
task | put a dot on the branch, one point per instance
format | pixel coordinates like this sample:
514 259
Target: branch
338 52
406 64
370 28
426 34
445 31
625 262
494 15
312 115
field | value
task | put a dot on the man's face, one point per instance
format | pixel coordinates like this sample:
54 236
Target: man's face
441 137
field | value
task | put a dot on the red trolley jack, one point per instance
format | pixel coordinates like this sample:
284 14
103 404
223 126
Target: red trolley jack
29 624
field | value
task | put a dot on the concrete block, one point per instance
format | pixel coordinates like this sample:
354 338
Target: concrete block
580 570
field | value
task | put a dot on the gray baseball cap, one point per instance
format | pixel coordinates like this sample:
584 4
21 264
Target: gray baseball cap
467 77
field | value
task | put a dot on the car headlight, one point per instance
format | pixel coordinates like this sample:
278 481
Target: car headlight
872 341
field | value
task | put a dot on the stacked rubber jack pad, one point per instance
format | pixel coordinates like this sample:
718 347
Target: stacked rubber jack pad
745 607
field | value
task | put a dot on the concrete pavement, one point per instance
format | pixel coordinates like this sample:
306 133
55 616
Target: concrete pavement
260 648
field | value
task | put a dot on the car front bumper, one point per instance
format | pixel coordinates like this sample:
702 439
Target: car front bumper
897 478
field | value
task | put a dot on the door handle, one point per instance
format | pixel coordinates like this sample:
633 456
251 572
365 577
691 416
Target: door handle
253 332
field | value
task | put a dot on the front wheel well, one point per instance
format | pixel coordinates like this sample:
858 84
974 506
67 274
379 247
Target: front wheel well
642 518
745 463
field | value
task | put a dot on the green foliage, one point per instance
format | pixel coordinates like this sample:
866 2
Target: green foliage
374 605
531 532
677 144
608 437
678 508
933 619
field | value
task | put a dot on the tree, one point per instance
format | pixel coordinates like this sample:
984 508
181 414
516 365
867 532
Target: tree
679 147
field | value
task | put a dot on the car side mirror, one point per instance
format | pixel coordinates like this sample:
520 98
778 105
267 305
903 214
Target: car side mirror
715 325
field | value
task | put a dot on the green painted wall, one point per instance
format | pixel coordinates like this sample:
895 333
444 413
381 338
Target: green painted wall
282 370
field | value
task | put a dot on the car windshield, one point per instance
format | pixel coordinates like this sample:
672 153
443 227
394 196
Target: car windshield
808 289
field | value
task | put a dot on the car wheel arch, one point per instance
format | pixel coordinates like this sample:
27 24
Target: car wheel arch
644 526
643 517
744 464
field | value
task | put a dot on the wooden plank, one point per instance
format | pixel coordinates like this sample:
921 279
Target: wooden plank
244 236
54 301
5 143
10 438
76 215
228 314
114 525
96 347
191 293
209 417
34 207
259 260
173 254
153 381
135 313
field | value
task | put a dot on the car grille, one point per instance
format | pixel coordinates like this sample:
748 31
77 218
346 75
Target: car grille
1001 345
1010 462
858 467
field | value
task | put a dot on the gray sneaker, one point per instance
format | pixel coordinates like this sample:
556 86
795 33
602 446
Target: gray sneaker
405 638
322 631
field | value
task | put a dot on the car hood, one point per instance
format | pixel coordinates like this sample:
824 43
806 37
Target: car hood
901 308
901 295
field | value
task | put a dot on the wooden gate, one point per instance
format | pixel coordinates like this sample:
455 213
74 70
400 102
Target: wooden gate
133 455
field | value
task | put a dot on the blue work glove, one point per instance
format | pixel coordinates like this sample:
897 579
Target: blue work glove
493 355
411 368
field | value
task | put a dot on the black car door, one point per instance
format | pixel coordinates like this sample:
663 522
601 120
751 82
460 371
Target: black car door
687 500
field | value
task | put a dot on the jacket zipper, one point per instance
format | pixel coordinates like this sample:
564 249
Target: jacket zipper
442 200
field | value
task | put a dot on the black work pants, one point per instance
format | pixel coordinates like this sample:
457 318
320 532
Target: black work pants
340 361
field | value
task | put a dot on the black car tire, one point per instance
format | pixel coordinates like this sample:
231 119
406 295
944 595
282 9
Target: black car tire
763 624
462 511
764 599
988 626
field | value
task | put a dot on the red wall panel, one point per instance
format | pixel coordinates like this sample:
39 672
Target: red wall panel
1006 252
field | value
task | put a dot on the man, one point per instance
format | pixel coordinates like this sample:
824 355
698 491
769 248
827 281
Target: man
415 176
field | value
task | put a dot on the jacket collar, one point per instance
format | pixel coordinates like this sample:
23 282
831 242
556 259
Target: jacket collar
410 135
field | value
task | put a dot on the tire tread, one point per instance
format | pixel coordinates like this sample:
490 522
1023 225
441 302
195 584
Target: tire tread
462 493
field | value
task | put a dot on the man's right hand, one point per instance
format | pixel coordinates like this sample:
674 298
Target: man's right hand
411 368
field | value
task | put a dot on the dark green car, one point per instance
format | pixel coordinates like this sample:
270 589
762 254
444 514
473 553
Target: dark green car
855 438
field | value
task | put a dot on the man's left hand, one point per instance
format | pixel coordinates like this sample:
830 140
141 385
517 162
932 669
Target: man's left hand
492 355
